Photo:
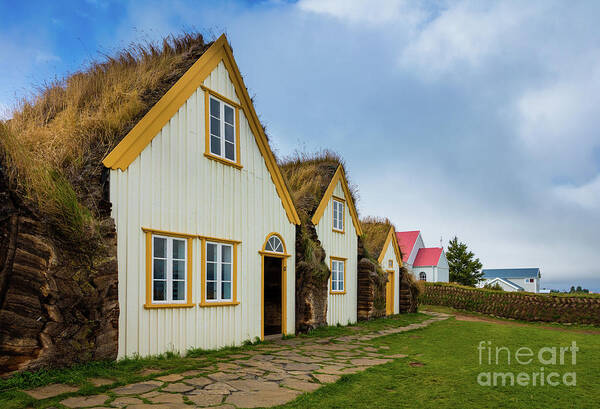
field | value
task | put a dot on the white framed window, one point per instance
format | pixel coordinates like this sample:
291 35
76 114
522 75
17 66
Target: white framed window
222 129
338 215
219 272
422 276
337 276
274 245
390 263
169 270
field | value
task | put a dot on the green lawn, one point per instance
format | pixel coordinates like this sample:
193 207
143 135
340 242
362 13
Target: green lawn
448 377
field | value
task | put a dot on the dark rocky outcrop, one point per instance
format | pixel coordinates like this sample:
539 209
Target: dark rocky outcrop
312 275
58 305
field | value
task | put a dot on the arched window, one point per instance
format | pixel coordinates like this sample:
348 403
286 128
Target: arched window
422 276
274 245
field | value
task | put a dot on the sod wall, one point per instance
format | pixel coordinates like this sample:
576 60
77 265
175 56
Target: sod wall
563 308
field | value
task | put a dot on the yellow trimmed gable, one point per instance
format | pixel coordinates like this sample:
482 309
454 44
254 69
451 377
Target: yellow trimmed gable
339 176
391 237
150 125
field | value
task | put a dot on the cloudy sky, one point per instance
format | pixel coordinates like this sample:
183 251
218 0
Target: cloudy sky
468 118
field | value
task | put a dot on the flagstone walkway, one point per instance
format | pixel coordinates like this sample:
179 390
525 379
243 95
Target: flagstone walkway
270 375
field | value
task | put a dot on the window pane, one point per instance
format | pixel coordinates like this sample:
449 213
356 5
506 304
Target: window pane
226 272
341 285
229 133
228 115
178 270
215 145
179 249
159 291
160 248
215 127
226 254
159 269
211 271
211 252
334 286
211 290
178 290
229 151
215 108
269 246
226 291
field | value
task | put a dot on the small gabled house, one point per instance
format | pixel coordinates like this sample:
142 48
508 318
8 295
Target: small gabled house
513 279
379 239
205 223
426 263
330 222
431 265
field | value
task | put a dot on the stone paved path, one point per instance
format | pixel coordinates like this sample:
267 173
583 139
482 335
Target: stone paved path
269 375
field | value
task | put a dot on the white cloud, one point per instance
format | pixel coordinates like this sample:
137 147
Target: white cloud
586 195
43 57
366 12
464 35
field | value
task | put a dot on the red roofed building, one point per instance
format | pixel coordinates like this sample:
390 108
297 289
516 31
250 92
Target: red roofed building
427 264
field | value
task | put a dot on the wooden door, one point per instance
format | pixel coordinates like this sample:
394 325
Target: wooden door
389 294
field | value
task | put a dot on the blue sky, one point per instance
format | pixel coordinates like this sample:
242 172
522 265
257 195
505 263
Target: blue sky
468 118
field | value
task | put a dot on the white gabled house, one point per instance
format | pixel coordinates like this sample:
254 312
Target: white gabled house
205 223
513 279
426 263
338 227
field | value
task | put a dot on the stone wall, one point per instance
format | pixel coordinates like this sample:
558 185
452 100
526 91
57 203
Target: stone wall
517 305
371 291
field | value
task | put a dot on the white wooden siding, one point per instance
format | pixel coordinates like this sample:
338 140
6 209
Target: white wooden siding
390 254
341 308
172 186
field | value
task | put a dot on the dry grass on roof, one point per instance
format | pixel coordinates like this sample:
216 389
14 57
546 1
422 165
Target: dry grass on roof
53 146
309 174
375 231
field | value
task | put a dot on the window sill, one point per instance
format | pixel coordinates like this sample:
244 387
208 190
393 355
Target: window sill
337 292
223 161
155 306
338 231
219 304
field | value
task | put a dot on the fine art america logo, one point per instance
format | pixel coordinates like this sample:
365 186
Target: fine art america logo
541 367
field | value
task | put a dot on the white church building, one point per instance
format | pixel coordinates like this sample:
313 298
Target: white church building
426 263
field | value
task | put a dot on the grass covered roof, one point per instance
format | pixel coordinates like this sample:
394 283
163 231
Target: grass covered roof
51 150
376 230
308 175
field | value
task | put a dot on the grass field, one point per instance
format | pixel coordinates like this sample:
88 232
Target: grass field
448 377
441 369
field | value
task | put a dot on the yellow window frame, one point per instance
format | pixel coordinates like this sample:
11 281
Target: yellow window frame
331 260
189 238
234 268
207 153
343 202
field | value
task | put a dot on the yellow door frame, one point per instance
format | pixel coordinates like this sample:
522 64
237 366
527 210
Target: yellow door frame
283 256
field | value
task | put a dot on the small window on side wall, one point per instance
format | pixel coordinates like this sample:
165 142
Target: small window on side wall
169 270
338 215
337 276
391 263
219 272
422 276
222 129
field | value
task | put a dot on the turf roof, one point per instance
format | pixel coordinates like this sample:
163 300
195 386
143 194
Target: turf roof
53 146
308 176
375 231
